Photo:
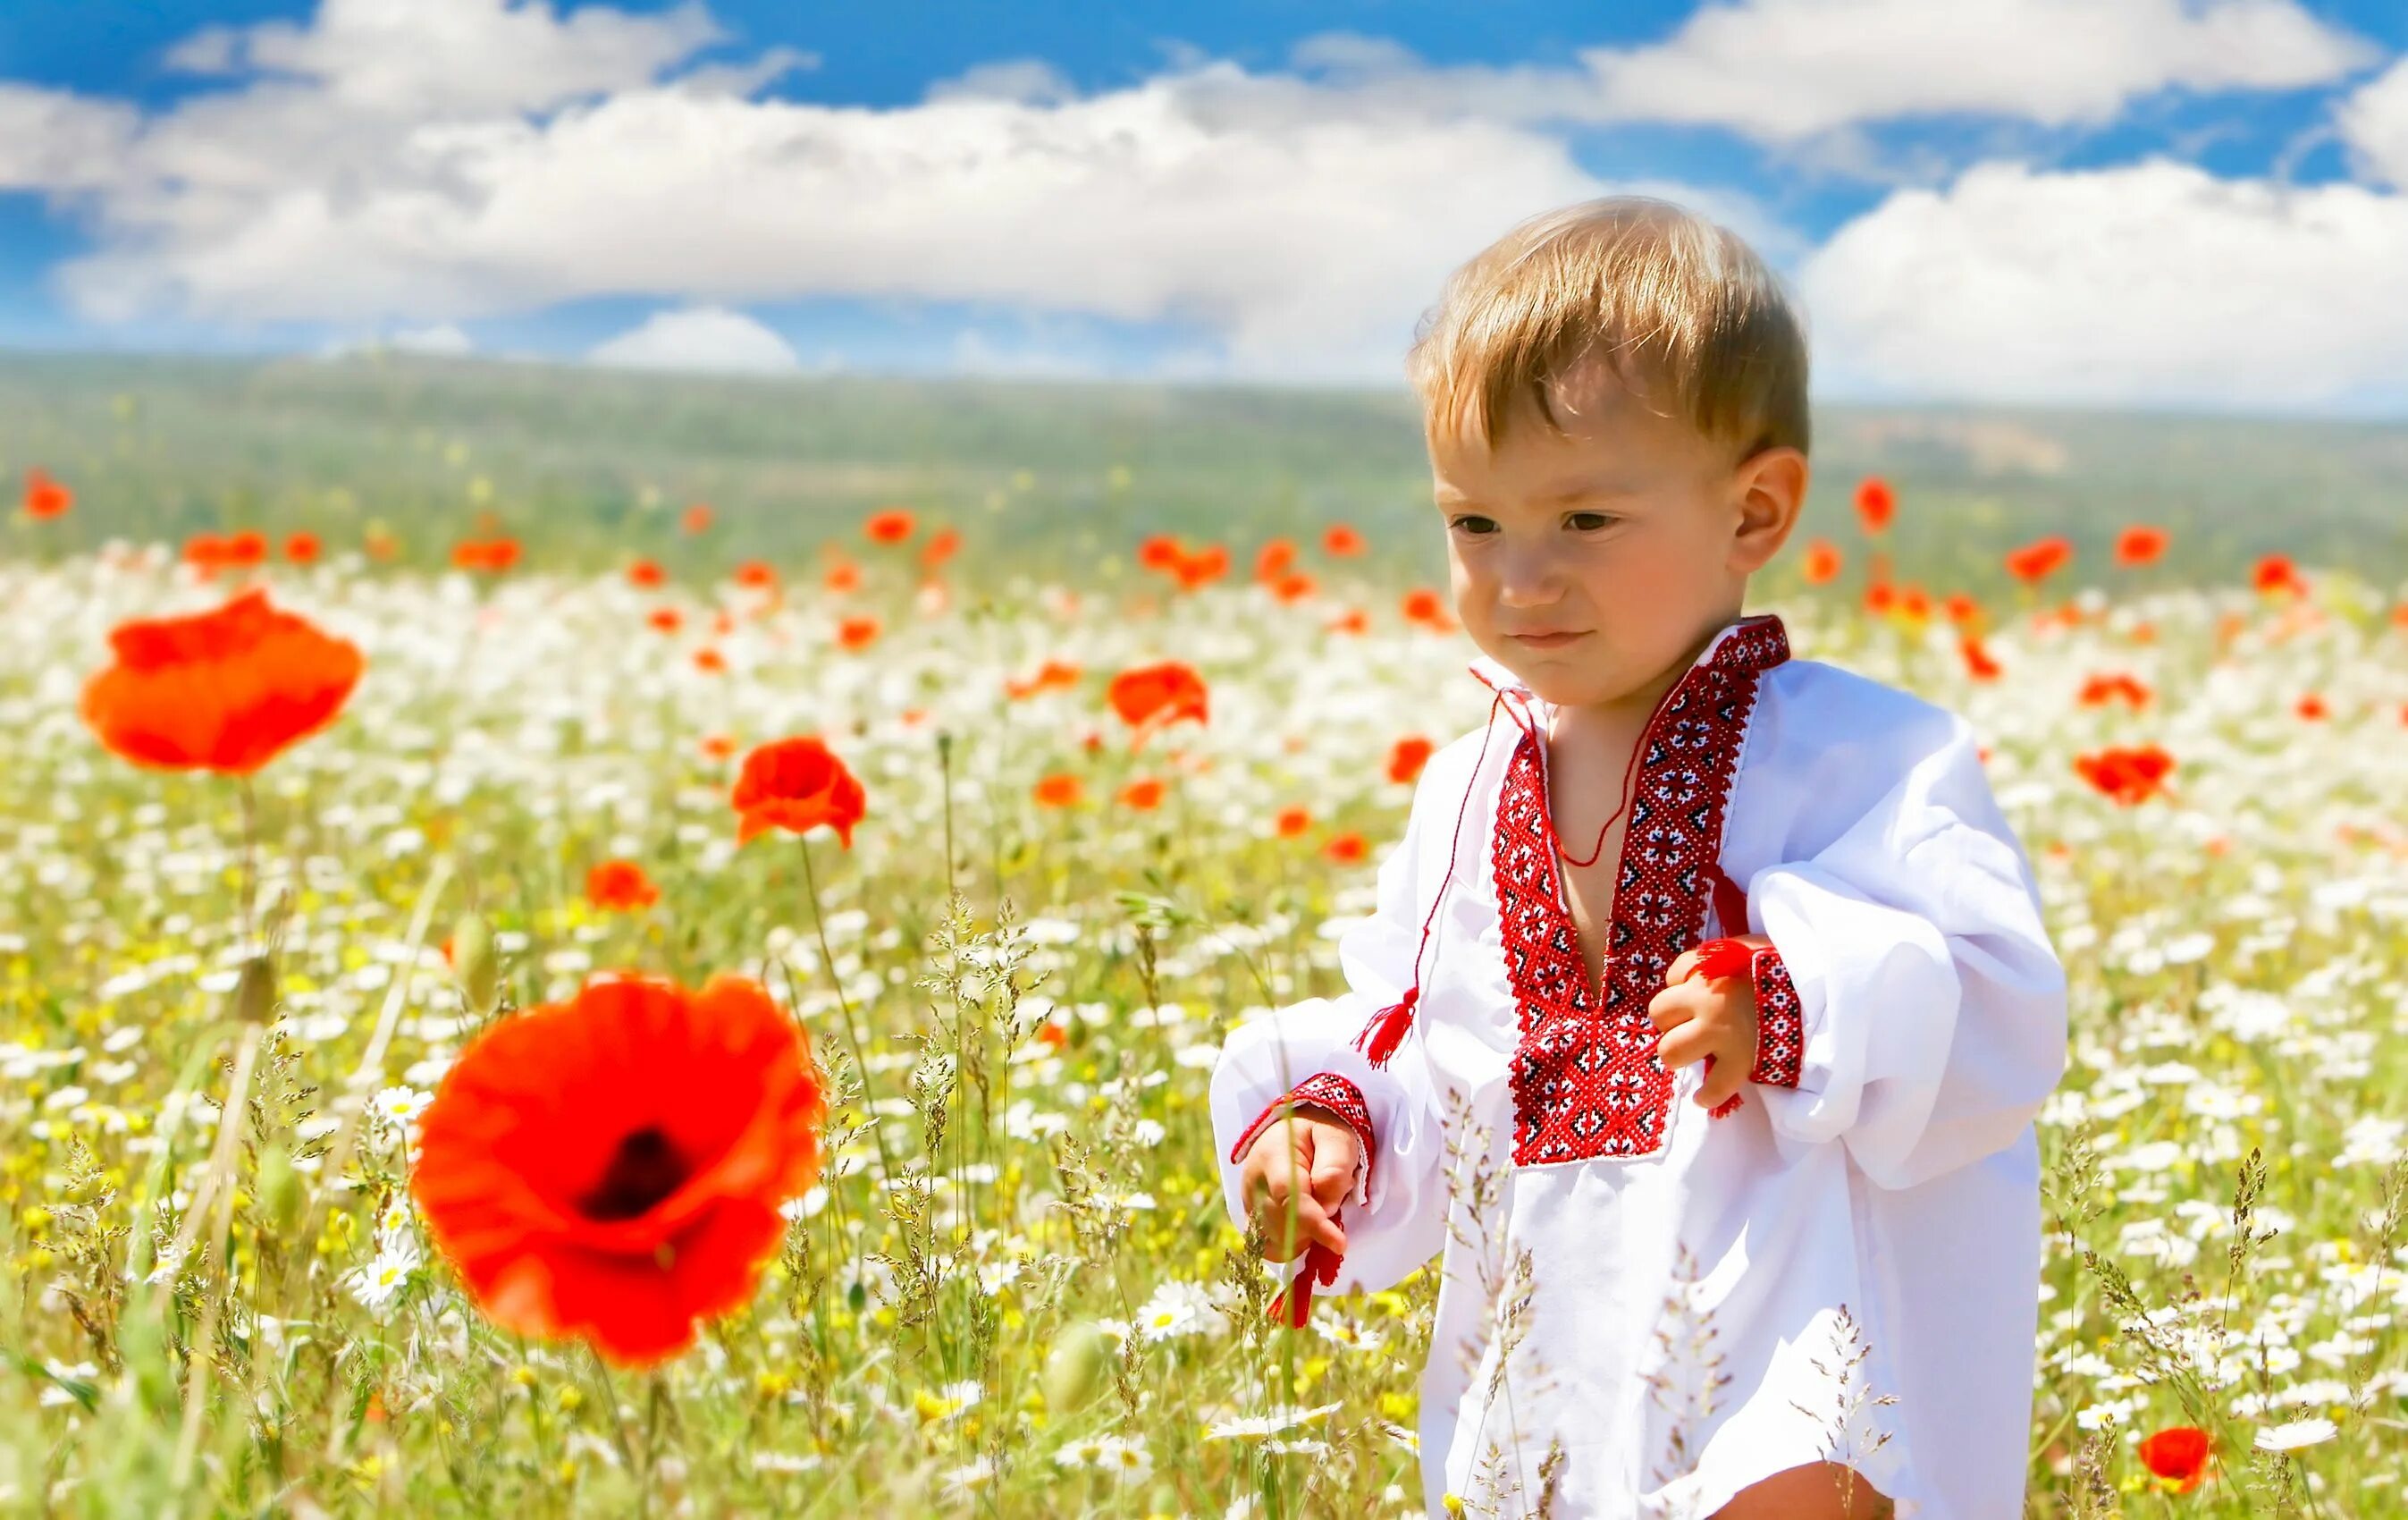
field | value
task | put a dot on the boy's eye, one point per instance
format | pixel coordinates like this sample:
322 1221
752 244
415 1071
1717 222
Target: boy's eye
1480 527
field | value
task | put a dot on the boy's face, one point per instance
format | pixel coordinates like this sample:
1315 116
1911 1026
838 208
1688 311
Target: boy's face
1595 565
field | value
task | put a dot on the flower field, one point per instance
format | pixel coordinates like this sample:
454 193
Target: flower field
869 933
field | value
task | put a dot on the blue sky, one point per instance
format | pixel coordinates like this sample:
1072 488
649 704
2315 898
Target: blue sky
2165 203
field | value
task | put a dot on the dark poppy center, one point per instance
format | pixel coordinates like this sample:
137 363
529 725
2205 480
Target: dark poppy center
643 1170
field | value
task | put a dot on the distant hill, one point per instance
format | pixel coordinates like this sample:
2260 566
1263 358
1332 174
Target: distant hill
591 465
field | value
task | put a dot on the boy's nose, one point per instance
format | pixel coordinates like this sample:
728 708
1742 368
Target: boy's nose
1526 580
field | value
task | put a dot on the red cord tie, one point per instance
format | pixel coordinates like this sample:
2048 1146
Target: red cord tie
1295 1301
1716 959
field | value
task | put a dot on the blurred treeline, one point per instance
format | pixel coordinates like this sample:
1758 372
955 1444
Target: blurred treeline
588 467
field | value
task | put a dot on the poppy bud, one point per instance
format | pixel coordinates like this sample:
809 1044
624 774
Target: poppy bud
1075 1367
477 965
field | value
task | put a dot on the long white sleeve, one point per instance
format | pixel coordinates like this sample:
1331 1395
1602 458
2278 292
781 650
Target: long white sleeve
1395 1219
1931 1004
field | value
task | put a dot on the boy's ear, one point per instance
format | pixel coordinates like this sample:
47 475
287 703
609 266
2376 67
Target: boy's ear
1769 489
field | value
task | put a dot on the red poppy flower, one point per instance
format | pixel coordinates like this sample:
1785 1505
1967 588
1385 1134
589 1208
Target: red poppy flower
941 546
2311 707
1341 541
490 556
719 746
247 548
1822 562
1145 794
1426 608
612 1168
666 620
1293 821
756 575
2276 573
1060 789
1151 696
1914 603
1274 559
301 548
697 518
796 785
1963 611
619 887
891 527
2098 690
857 633
2140 544
1294 588
1978 663
45 498
226 690
204 552
1204 566
841 576
1875 503
1051 675
1407 756
2177 1453
646 574
1346 849
709 661
1160 552
2127 776
2037 561
1880 596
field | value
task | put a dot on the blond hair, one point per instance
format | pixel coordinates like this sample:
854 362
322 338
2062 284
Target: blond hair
1682 308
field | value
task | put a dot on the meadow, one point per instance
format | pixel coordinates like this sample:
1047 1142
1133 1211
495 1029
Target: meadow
229 998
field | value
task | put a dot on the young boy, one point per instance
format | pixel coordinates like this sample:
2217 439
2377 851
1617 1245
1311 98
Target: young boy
1707 1005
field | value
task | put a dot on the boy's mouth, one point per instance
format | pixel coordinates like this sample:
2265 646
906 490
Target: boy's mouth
1545 640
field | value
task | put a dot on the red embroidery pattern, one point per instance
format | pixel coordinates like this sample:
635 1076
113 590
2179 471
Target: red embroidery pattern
1588 1081
1332 1091
1780 1020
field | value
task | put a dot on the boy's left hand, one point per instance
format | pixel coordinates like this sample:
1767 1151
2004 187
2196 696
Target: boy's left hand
1707 1017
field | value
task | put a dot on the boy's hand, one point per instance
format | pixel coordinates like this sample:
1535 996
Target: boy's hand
1300 1170
1716 1017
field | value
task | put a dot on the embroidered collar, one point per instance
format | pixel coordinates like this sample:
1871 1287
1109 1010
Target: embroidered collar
1754 642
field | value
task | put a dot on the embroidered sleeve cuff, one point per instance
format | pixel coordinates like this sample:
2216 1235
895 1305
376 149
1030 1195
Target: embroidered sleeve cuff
1329 1091
1780 1031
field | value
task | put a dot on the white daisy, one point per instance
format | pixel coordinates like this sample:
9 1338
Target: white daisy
2291 1436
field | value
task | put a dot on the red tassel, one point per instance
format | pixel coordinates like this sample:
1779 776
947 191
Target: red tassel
1385 1030
1319 1262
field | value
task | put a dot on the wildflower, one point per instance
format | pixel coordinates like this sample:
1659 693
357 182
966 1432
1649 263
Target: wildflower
646 574
1273 560
44 498
2140 545
1153 696
941 546
226 690
1059 789
2276 573
855 634
2295 1435
1978 663
1822 562
891 527
611 1167
399 1106
1341 541
2128 776
697 518
796 785
2177 1454
619 887
1875 504
1346 849
490 556
301 548
1205 566
377 1282
2037 561
1145 794
1406 759
1293 821
1426 608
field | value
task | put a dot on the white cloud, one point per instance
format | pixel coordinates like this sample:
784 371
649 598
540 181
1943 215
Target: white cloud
1783 69
443 338
2154 282
700 339
2374 122
60 142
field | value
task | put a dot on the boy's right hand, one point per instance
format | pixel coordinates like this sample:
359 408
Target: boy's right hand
1300 1170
